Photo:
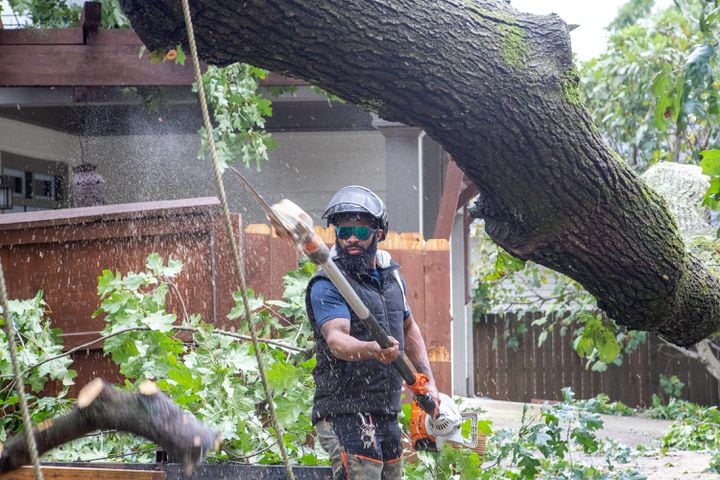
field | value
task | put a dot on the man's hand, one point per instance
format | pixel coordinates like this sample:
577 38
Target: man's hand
387 355
433 392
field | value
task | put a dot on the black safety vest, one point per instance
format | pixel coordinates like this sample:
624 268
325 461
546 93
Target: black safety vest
367 386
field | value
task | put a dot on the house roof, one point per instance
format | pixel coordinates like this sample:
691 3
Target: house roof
76 80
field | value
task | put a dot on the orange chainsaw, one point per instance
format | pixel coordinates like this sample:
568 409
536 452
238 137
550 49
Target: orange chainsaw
432 433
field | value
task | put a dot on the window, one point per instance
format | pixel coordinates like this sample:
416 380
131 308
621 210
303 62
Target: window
38 184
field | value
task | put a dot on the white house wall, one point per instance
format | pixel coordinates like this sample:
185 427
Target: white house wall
37 142
306 167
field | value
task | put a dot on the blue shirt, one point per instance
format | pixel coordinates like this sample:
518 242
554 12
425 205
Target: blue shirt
328 303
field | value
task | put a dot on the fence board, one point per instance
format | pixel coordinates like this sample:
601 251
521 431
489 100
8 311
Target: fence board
548 365
481 361
436 281
531 373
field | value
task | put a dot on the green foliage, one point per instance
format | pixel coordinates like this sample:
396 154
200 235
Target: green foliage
505 284
672 386
602 404
210 372
213 375
48 13
694 427
710 164
630 13
597 336
239 113
699 432
58 14
36 343
112 15
448 463
105 446
652 93
544 446
674 409
715 462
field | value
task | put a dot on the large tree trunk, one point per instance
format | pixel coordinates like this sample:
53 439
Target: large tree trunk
497 88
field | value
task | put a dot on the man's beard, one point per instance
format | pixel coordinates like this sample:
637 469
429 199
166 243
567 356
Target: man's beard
359 263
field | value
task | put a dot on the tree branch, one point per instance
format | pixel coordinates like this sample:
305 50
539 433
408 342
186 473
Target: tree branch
148 413
236 336
685 351
708 358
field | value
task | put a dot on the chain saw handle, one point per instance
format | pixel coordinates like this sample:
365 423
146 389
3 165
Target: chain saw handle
422 396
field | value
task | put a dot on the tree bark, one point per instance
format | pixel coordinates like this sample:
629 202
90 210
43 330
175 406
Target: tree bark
148 413
498 89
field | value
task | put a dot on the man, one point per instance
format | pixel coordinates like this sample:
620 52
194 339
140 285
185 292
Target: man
357 396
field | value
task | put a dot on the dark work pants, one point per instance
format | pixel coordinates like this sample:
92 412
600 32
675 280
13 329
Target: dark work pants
340 436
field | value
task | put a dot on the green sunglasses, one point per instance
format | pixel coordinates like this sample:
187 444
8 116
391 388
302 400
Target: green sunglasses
361 232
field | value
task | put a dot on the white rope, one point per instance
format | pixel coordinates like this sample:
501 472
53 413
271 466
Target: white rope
235 250
19 383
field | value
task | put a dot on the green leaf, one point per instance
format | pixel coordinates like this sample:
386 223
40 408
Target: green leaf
712 195
107 282
587 440
282 376
596 336
157 56
134 281
154 263
180 58
288 410
662 88
159 321
542 337
485 426
710 162
529 466
608 348
698 65
505 264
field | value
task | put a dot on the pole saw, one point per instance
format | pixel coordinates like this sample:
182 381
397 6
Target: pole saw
427 432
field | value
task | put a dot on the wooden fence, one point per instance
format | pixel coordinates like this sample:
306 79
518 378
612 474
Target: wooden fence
531 373
63 252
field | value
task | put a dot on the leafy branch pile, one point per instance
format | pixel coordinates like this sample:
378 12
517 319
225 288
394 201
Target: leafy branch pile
210 372
553 445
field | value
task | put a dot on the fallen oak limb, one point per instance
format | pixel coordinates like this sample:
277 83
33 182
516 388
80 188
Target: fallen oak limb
148 413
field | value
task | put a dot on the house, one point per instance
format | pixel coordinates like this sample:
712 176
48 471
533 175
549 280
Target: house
65 100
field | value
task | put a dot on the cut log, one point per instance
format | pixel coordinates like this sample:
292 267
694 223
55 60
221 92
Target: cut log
148 413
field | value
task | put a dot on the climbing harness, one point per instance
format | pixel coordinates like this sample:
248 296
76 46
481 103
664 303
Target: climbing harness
237 260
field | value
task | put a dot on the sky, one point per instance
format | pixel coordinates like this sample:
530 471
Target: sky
589 39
